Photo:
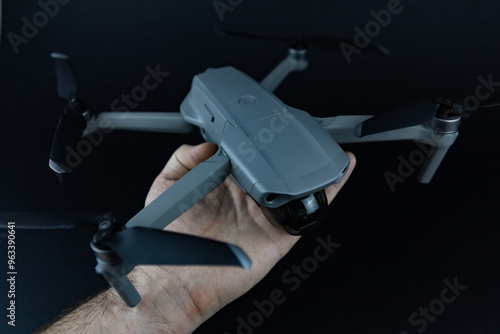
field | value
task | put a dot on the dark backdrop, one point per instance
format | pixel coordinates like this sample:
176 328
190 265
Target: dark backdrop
397 248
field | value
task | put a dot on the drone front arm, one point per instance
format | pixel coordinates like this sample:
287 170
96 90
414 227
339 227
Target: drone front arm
295 61
342 129
169 122
184 193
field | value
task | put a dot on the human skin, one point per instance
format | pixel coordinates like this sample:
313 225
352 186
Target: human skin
177 299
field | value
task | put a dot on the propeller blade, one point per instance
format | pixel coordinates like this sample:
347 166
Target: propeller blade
68 133
139 245
320 42
491 105
417 113
67 83
49 220
225 32
331 44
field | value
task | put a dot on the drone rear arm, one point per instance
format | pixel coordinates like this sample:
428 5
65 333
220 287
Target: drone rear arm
342 129
295 61
168 122
184 193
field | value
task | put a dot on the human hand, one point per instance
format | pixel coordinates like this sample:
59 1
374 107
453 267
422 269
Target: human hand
226 214
177 299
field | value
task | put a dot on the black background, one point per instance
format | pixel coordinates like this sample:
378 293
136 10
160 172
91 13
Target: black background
396 247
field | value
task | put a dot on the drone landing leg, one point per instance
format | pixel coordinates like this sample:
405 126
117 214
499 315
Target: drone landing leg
431 165
295 61
169 122
184 193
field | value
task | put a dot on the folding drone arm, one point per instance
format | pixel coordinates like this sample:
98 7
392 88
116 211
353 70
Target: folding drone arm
168 122
184 193
295 61
342 129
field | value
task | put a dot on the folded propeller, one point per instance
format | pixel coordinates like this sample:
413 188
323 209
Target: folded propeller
119 249
415 113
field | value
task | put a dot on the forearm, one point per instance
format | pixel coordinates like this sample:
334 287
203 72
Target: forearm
166 307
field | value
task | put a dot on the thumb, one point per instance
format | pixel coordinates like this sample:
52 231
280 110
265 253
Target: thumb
180 163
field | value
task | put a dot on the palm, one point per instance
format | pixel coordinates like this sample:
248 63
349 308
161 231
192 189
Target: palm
229 215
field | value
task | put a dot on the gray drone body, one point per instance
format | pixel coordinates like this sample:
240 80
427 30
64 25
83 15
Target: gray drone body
277 153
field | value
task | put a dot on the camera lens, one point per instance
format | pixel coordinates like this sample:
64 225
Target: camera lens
301 215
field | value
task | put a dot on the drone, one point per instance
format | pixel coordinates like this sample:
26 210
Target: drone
282 157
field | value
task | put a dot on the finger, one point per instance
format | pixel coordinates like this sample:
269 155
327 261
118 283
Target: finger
334 189
184 159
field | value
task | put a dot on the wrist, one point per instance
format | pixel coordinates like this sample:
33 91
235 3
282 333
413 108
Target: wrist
166 306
